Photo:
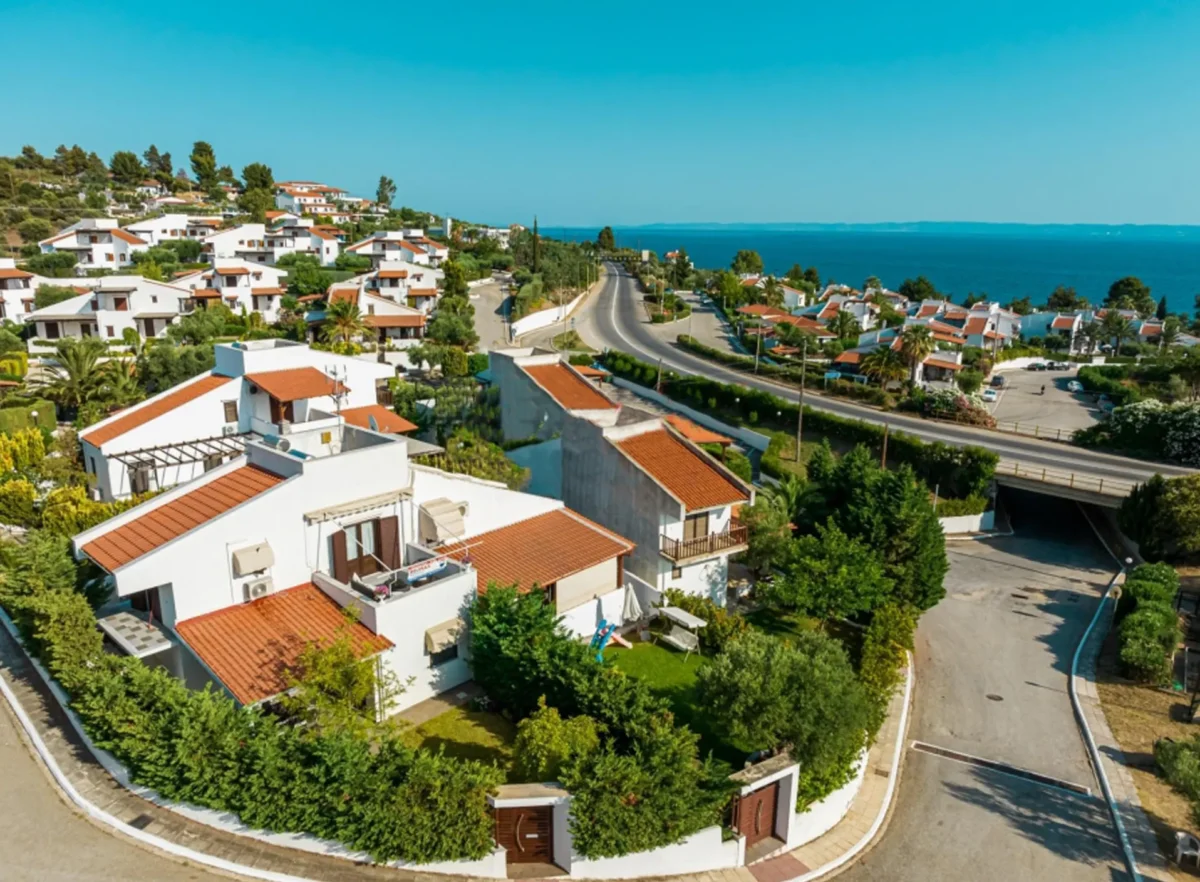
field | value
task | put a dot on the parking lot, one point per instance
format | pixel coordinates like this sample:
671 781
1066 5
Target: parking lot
1023 401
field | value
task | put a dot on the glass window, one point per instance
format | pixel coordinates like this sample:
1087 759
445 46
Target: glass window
440 658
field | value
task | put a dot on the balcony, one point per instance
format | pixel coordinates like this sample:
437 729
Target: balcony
730 540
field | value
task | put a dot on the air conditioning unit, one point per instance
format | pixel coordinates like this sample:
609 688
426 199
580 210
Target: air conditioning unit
229 430
259 588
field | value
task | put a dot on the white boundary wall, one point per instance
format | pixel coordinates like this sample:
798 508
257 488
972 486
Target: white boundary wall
701 852
980 523
544 318
821 817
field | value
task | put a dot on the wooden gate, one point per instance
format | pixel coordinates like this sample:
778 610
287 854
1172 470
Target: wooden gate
526 834
754 815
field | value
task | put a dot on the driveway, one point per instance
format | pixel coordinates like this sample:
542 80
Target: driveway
46 841
992 667
1022 401
491 303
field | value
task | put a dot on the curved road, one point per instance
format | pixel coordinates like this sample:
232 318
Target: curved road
614 320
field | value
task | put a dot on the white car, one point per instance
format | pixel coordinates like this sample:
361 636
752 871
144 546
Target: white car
1074 386
990 395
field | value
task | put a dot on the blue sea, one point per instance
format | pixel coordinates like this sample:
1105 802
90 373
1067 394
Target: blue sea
1003 261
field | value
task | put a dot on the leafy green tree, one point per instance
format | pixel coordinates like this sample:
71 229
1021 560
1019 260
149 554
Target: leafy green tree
728 288
453 328
606 241
225 175
829 575
768 533
158 166
56 265
256 203
747 262
358 263
162 366
34 229
1064 298
386 191
204 165
969 380
126 168
919 289
186 250
801 692
1163 517
1117 328
454 281
546 742
305 275
468 454
202 325
30 159
1130 292
258 176
1020 305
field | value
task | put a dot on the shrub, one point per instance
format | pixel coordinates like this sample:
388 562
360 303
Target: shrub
1162 573
1141 591
972 505
888 637
546 742
1163 517
19 414
722 626
477 362
17 499
1180 764
1147 640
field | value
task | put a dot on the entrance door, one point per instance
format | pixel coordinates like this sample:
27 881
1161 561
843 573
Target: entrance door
756 814
526 834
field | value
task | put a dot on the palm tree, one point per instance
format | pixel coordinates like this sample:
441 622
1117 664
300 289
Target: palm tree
119 385
254 323
1118 329
773 292
1170 333
343 321
885 365
1090 335
916 345
845 325
76 377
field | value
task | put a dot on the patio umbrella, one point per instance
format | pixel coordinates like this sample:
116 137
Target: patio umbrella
632 611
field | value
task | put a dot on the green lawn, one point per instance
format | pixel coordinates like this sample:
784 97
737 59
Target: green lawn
468 734
674 679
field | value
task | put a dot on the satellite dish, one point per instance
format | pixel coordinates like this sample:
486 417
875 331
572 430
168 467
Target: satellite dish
285 445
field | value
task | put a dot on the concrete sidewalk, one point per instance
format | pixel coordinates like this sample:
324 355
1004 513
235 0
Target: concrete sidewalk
68 751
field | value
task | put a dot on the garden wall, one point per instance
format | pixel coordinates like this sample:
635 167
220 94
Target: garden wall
701 852
757 440
823 816
543 318
978 523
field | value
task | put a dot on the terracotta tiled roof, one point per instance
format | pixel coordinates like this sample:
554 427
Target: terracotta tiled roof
946 365
761 309
975 325
10 273
128 237
422 292
928 310
295 384
153 408
695 433
805 324
829 310
395 321
1063 322
392 274
322 234
691 477
252 646
160 525
258 292
207 292
568 388
540 550
850 356
387 421
232 271
350 295
956 339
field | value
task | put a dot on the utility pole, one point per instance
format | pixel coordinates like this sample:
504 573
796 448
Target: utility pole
883 456
658 382
800 409
757 347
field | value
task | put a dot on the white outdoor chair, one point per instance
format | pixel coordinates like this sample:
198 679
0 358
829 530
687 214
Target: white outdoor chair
682 639
1186 846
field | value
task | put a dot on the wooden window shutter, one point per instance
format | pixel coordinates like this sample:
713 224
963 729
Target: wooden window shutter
341 568
389 542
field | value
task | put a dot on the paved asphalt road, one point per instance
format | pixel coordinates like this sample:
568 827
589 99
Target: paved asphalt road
992 667
614 320
46 841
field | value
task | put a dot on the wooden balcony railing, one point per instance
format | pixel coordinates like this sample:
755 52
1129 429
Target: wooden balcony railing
713 543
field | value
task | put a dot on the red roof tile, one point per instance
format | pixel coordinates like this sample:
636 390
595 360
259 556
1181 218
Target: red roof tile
232 271
296 384
540 550
1063 323
568 388
850 356
761 309
691 477
261 292
946 365
128 237
10 273
975 325
251 647
592 372
395 321
392 274
421 292
131 540
695 433
386 420
155 407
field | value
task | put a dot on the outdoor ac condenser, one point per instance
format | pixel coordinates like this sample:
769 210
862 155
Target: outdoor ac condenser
261 588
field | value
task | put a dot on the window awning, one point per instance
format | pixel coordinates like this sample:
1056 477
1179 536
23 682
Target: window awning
349 508
253 559
443 636
441 520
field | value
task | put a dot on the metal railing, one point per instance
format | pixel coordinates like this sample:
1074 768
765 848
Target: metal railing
713 543
1105 486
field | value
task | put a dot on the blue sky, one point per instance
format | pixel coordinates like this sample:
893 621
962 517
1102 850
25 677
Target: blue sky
865 110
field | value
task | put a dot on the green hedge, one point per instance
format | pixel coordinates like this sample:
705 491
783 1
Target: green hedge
18 415
1100 380
957 472
952 508
1147 637
380 796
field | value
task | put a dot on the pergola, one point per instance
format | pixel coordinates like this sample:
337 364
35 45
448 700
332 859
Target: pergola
182 452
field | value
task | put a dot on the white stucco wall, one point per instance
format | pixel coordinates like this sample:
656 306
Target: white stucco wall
979 523
543 318
822 816
582 620
700 852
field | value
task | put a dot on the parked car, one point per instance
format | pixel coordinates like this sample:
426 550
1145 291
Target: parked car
1037 366
999 381
1074 386
1058 366
990 395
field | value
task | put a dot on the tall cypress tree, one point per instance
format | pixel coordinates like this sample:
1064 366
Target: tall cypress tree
535 244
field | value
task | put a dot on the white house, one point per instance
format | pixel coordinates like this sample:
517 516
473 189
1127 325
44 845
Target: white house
228 243
300 236
414 285
97 243
18 287
256 388
243 567
239 284
388 319
392 245
116 303
169 227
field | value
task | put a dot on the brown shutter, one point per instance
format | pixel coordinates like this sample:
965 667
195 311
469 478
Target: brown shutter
389 542
341 568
